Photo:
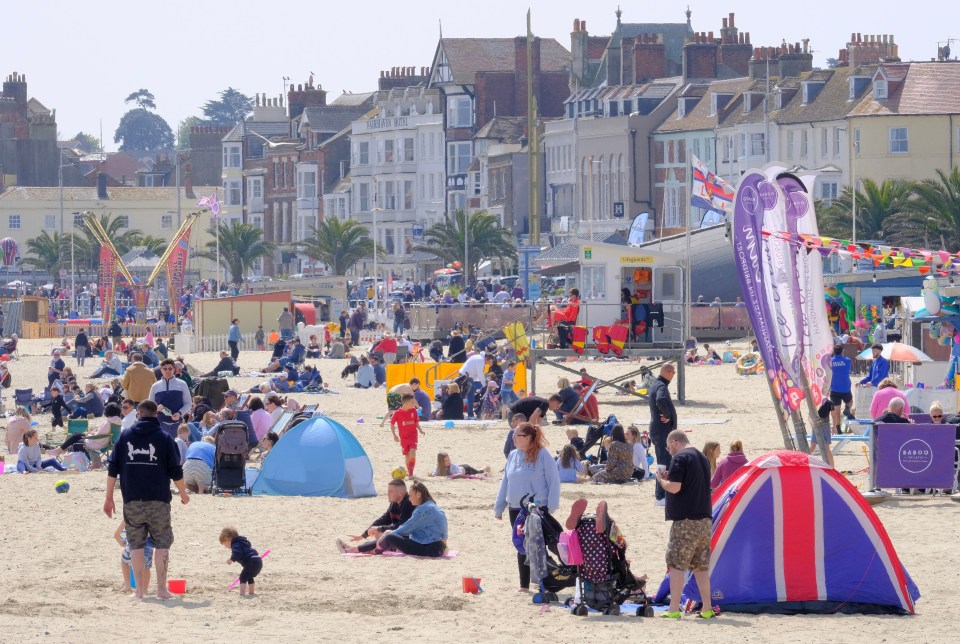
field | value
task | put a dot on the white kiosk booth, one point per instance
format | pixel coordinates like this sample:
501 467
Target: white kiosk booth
653 281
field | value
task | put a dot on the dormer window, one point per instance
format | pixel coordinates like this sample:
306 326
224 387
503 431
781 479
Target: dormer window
810 91
747 102
681 108
880 89
778 100
717 101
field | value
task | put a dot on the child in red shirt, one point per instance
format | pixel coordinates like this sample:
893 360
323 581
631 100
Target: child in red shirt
407 420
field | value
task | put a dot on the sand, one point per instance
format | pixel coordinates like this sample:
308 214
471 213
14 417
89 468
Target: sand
61 574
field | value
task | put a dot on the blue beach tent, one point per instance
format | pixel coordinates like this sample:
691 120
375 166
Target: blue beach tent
318 457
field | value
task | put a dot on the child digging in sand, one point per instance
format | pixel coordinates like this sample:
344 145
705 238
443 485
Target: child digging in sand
407 421
246 555
446 467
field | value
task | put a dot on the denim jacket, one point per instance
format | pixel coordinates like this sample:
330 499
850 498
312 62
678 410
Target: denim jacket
427 524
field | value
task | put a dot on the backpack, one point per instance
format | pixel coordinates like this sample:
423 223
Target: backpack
569 547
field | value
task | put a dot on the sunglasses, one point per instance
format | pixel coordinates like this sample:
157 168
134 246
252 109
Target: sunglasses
936 415
521 435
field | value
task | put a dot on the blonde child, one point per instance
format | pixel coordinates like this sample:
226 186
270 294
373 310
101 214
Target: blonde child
711 449
121 537
446 467
246 555
641 466
183 441
573 437
407 421
491 398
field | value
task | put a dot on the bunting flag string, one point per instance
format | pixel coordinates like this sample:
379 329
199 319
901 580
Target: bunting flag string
941 262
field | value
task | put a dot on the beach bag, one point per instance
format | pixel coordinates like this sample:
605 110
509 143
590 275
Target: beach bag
569 547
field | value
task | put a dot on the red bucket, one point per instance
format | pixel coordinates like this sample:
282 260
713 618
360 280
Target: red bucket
177 586
471 585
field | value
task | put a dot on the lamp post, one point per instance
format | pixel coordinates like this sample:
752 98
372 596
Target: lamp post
466 249
376 241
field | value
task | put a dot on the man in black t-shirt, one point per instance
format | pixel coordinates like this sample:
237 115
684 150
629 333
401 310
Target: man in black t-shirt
527 406
687 485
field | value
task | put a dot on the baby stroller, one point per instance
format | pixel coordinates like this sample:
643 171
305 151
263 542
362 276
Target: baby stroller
605 582
232 451
541 533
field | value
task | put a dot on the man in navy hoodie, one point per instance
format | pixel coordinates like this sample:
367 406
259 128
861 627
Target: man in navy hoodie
146 459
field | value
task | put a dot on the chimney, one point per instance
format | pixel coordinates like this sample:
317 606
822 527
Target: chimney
188 183
305 96
102 186
700 59
579 55
649 58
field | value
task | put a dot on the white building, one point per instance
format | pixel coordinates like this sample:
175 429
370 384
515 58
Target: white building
396 186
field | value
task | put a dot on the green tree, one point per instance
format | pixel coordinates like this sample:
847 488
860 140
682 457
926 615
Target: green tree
338 244
877 204
933 215
183 132
141 129
87 245
232 107
46 252
155 245
87 143
144 99
240 246
486 239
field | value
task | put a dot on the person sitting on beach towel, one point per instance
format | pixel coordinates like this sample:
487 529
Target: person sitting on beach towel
399 511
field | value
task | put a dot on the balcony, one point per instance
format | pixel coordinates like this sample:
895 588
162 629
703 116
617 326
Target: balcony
457 181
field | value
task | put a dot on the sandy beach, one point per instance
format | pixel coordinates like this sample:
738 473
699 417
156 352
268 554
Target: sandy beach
62 579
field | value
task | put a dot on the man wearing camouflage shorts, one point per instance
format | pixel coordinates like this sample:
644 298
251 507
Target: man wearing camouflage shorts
146 459
687 485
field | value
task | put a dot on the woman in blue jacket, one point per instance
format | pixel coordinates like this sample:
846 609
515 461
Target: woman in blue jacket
424 534
531 475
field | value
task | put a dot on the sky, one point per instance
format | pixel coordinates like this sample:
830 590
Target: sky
89 56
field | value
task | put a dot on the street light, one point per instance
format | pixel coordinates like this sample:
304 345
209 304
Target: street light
376 208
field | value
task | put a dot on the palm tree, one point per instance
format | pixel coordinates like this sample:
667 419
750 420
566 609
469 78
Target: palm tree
486 239
338 244
87 245
240 246
46 252
934 212
876 205
155 245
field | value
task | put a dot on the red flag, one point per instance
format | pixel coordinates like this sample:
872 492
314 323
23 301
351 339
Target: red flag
177 265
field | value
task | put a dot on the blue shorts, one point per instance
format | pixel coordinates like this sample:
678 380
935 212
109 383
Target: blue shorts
508 397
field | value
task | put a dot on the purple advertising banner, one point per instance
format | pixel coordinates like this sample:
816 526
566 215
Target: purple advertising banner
914 456
748 211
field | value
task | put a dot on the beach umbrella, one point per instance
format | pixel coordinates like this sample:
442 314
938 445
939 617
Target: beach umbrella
897 352
18 283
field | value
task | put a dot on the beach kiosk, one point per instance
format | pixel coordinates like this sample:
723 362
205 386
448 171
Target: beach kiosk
654 281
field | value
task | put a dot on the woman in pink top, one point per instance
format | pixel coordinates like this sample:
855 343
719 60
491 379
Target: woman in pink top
16 428
728 465
148 338
887 391
261 419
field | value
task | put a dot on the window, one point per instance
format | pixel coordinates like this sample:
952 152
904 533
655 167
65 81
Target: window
789 144
696 148
803 144
594 282
256 188
390 196
363 197
898 140
823 142
741 145
880 89
77 219
276 175
148 181
459 111
459 157
166 221
708 144
363 153
828 191
836 141
388 151
13 221
727 149
408 150
307 185
50 222
671 206
756 145
231 156
388 242
232 191
408 195
613 108
856 141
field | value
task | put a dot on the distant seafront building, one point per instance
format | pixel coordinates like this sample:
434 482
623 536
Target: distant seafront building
28 137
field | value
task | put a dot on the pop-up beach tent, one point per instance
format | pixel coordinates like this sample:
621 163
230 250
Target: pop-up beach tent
318 457
792 535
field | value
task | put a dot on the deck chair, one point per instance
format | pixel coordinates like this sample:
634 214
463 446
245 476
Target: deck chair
280 426
23 397
77 426
580 402
103 452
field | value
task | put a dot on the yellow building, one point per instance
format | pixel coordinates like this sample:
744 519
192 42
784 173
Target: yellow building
908 126
26 212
